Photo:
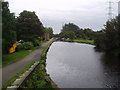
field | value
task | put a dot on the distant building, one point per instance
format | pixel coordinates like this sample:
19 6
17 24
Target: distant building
119 8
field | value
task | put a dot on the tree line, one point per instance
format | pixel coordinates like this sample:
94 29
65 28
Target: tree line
107 40
27 27
73 31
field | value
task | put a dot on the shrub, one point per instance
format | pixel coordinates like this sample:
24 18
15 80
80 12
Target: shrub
24 46
36 42
43 57
27 45
19 47
41 83
42 62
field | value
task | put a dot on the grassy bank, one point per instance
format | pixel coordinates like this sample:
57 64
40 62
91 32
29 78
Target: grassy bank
84 41
11 58
80 41
10 82
39 78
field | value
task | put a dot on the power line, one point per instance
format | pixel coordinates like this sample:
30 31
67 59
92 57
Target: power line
119 8
110 10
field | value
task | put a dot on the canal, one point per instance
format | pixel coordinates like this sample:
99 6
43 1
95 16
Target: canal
77 65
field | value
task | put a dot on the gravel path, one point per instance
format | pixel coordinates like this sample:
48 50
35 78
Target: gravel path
11 70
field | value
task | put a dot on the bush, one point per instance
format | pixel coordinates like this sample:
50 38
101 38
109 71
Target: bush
24 46
42 62
36 42
41 83
19 47
43 57
27 45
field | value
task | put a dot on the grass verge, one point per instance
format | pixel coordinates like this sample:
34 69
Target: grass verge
11 58
10 82
39 77
84 41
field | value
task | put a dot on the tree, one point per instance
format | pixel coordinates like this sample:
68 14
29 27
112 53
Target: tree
70 27
49 31
99 39
110 39
71 35
29 26
112 36
79 32
8 28
69 30
68 34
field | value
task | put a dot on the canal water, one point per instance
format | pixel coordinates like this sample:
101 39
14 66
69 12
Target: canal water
77 65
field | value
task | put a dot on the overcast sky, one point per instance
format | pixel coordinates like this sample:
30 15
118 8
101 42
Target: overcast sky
55 13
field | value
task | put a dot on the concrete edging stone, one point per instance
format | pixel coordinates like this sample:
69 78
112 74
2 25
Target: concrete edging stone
16 84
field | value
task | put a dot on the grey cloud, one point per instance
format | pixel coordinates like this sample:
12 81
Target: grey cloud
55 13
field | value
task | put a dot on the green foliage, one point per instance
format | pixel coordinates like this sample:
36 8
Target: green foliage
36 42
109 41
29 26
84 41
76 32
71 35
37 78
27 45
41 83
11 58
100 40
49 31
43 57
43 61
20 47
70 27
68 34
8 28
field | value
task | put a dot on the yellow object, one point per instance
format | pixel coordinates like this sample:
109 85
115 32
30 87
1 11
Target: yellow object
12 49
15 45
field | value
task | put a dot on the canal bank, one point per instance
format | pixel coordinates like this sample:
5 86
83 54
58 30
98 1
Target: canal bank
39 78
79 41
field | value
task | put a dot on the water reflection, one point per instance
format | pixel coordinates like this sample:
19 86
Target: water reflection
73 65
110 63
112 70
